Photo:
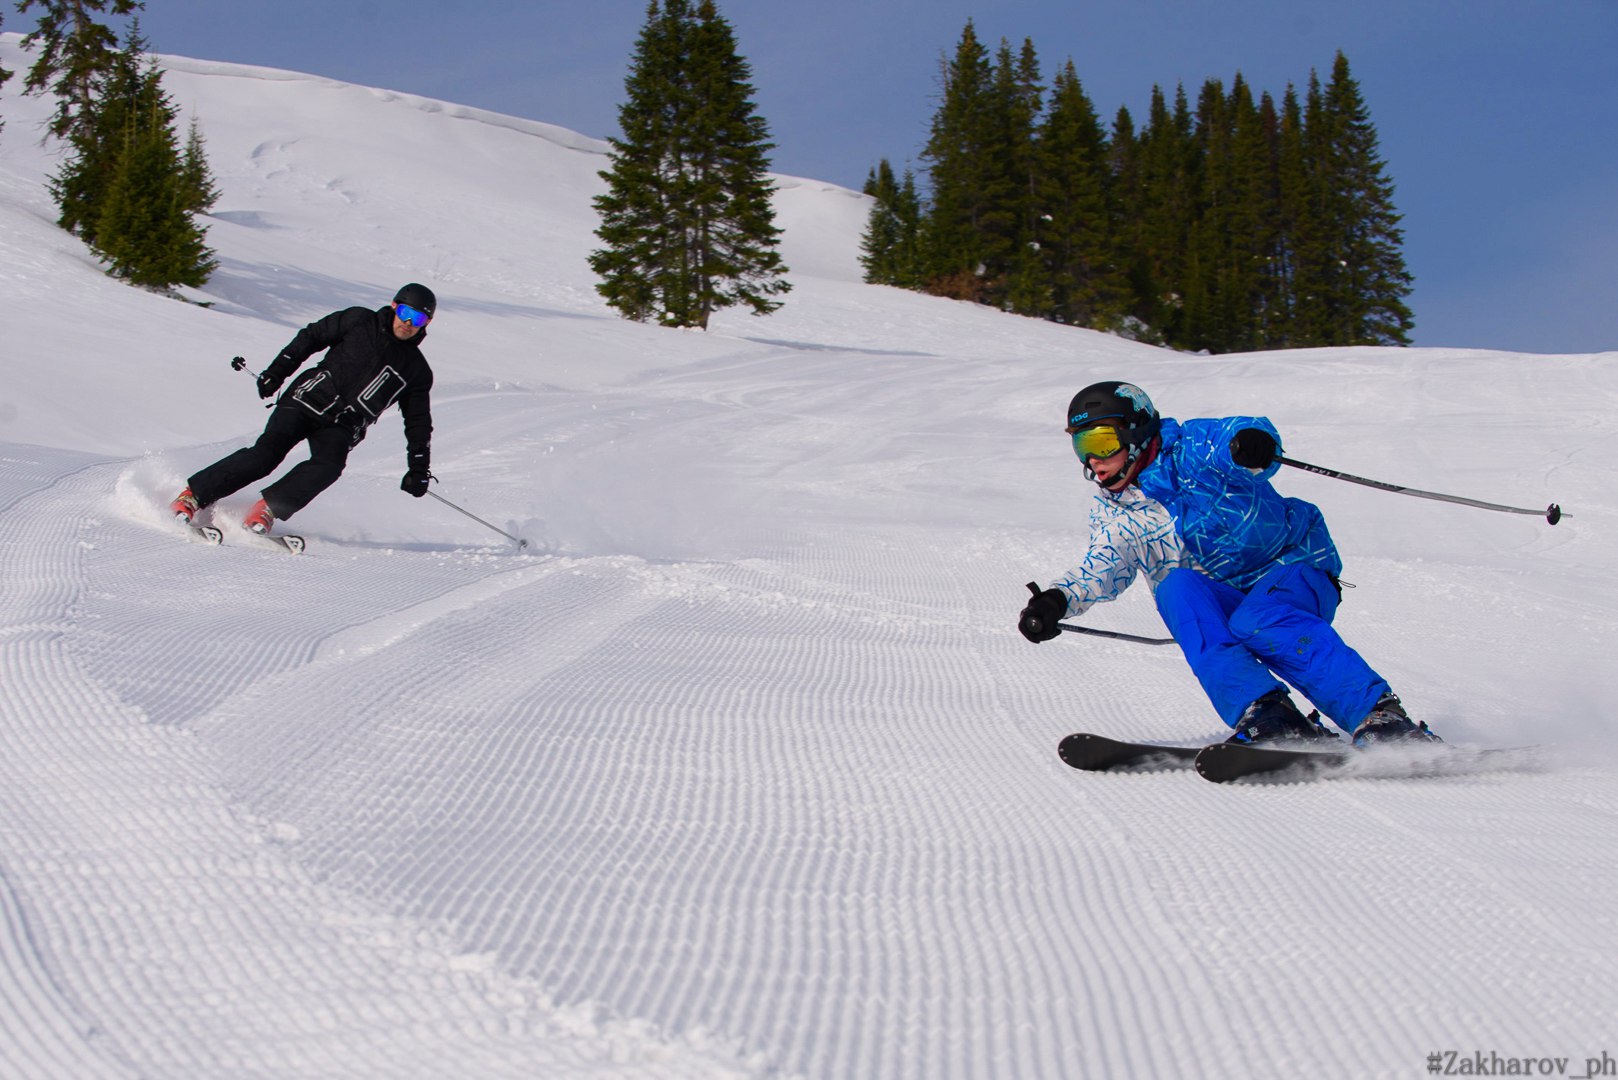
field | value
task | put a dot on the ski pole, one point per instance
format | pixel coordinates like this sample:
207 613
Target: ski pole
1552 513
1033 587
1072 629
239 363
520 542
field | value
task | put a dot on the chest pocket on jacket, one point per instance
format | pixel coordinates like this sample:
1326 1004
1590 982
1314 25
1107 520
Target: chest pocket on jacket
387 386
318 393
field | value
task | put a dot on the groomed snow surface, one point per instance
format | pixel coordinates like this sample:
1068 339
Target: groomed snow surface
741 768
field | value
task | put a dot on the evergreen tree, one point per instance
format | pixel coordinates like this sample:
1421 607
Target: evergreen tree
196 177
1291 224
890 246
968 185
76 51
1023 278
1161 211
145 231
686 223
125 189
1079 238
120 90
1365 279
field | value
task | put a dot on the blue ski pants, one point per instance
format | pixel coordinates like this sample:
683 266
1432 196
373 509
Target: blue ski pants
1242 645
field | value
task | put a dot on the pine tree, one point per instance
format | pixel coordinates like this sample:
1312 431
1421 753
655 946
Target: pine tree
1366 281
1161 211
1079 237
145 231
76 51
1283 316
686 222
99 135
1023 278
890 246
125 189
196 177
968 185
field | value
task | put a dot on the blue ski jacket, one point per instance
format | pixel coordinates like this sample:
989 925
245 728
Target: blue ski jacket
1232 522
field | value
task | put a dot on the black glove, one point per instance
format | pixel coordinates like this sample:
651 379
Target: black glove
415 482
267 386
1252 448
1038 621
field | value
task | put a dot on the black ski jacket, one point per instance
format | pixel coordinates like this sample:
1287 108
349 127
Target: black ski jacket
364 371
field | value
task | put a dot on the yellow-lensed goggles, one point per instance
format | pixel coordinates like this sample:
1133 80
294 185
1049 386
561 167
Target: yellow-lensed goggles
1100 441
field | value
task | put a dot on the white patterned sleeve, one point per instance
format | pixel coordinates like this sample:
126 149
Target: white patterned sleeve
1110 563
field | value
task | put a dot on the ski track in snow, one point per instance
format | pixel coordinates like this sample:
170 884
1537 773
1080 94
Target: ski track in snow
186 937
466 792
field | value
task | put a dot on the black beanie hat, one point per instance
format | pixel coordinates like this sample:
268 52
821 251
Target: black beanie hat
419 297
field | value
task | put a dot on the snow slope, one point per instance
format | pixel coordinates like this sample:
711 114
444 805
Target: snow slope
742 770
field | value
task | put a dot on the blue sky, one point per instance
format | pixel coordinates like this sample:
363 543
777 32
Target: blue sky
1498 118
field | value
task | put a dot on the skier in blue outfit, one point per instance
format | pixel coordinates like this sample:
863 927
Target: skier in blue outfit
1245 579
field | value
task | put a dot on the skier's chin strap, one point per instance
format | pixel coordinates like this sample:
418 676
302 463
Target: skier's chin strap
1139 458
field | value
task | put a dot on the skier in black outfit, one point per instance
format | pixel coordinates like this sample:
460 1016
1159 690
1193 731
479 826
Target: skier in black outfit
373 359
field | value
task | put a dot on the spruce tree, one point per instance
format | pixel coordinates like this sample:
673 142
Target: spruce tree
1367 282
1079 238
99 135
686 222
196 177
145 231
76 50
1162 210
890 246
125 188
1017 228
966 182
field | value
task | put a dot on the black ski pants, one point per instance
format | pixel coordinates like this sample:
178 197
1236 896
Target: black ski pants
288 425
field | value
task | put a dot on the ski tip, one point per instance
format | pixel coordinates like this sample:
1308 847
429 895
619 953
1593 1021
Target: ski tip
208 534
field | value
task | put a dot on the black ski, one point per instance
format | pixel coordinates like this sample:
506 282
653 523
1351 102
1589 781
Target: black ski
1224 762
1097 753
207 534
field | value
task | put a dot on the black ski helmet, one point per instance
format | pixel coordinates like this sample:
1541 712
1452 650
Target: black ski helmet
1126 403
417 296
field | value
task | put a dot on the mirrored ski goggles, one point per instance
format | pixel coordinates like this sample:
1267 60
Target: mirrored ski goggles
1100 441
413 316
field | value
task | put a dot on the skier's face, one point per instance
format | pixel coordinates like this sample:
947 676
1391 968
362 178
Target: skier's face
401 329
1107 469
1102 450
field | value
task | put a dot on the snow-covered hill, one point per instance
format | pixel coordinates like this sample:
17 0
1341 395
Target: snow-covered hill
742 769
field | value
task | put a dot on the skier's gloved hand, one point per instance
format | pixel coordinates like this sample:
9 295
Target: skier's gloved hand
415 482
267 386
1038 621
1252 448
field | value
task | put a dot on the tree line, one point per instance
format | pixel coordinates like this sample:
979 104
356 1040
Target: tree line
1230 225
129 186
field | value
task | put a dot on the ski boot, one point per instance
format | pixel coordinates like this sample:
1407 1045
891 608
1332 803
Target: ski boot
185 506
1389 723
259 519
1273 719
